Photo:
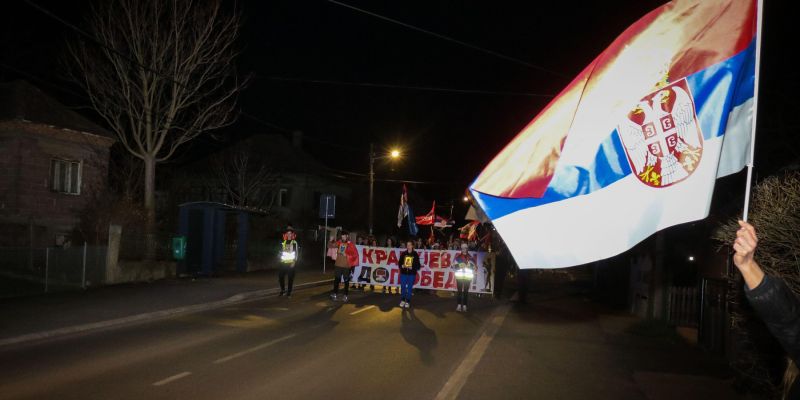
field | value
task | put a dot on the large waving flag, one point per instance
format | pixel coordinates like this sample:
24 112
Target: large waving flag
634 143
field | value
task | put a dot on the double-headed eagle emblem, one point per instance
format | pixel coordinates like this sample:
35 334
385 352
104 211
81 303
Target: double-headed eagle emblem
661 136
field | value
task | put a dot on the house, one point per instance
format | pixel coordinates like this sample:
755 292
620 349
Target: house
288 193
291 193
52 161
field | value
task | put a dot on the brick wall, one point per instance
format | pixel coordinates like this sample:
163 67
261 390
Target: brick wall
26 151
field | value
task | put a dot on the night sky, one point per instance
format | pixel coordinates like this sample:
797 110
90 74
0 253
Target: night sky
318 67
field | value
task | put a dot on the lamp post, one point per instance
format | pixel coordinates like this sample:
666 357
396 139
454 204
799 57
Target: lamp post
394 154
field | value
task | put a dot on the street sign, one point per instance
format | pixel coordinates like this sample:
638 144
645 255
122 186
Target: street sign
327 206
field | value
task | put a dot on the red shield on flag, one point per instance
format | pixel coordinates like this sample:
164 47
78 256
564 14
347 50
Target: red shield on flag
661 136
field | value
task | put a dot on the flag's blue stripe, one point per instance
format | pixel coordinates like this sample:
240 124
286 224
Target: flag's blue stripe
716 90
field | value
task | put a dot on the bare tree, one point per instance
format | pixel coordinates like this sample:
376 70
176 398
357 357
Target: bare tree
247 182
160 73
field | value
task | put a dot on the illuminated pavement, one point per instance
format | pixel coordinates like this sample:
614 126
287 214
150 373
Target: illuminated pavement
559 346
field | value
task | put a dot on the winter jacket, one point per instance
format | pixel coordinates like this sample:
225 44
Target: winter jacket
348 251
780 309
409 266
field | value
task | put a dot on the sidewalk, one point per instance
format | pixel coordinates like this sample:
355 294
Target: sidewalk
24 319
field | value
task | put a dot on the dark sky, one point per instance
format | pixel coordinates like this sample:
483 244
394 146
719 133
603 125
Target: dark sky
448 136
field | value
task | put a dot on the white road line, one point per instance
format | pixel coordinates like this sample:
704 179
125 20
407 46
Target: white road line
459 377
362 310
253 349
172 378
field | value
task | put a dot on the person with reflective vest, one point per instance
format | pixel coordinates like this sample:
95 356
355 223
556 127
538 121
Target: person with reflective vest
466 268
289 250
346 260
409 265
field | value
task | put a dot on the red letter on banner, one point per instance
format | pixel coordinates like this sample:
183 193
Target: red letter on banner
451 280
392 258
426 278
393 276
445 260
366 255
380 255
434 262
438 278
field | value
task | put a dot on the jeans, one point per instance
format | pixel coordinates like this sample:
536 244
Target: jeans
406 286
286 270
341 275
462 293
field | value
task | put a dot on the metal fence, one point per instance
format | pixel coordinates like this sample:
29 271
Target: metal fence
684 306
25 271
714 314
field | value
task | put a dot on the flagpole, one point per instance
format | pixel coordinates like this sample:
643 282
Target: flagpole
759 11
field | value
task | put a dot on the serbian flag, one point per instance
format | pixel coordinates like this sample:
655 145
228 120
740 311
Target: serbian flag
429 218
634 143
402 212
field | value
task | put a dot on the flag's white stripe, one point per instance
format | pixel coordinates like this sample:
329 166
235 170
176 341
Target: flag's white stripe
736 142
607 222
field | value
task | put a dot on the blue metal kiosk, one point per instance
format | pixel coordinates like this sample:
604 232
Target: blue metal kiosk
203 225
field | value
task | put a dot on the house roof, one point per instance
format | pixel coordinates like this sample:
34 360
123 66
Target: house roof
282 154
19 100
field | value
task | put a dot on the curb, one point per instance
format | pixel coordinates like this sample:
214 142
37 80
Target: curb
155 315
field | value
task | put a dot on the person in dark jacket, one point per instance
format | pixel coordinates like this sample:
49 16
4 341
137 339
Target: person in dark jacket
772 299
409 265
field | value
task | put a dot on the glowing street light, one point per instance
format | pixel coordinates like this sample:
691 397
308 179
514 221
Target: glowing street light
393 154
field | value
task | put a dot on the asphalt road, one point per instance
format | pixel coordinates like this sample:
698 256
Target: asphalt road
559 346
300 348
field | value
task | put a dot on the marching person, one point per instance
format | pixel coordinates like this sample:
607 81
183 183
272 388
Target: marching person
409 265
465 271
346 260
289 252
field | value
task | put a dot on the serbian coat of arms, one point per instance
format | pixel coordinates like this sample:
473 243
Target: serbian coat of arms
662 137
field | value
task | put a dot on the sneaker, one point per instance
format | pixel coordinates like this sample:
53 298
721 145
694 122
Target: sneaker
344 299
333 297
408 304
280 294
402 304
458 308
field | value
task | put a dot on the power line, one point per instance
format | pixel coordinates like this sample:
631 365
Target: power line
443 37
96 41
407 87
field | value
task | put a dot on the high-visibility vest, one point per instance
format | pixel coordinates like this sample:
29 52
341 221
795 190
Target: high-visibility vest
465 271
289 255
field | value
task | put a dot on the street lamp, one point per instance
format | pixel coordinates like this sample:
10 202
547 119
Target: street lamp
393 154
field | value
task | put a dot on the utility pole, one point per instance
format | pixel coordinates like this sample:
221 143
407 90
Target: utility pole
371 183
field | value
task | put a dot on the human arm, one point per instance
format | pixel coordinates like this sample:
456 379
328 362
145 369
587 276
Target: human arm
771 298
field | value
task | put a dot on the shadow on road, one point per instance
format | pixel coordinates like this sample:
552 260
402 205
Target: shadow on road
418 335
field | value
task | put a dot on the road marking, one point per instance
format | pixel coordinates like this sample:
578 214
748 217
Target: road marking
362 310
172 378
254 349
459 377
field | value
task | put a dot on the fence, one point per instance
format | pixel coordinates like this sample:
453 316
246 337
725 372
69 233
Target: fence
26 271
683 307
713 314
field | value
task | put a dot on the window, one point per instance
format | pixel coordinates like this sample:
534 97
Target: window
283 198
65 176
